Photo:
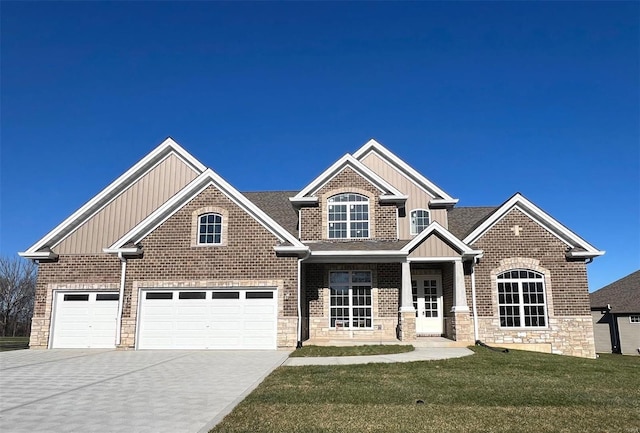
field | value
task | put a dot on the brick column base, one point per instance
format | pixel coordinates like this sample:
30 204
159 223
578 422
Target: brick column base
407 322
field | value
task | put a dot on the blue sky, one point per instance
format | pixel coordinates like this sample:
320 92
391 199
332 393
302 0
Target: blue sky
485 99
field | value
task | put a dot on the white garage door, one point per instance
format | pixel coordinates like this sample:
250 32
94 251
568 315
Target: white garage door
85 320
208 319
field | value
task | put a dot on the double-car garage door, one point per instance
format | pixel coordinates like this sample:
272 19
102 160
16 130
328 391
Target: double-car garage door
238 318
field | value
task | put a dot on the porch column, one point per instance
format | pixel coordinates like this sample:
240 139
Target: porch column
460 291
407 319
406 300
462 325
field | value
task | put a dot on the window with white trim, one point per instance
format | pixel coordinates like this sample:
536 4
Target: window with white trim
210 229
348 216
350 299
635 318
419 220
521 299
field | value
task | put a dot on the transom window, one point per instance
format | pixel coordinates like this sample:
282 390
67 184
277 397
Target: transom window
419 220
348 216
350 299
210 229
521 299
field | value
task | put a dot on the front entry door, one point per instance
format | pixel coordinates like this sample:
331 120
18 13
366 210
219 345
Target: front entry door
427 300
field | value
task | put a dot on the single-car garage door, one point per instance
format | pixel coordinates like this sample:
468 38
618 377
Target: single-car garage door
239 318
84 320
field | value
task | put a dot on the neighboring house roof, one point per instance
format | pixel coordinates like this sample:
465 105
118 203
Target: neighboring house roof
578 247
276 204
623 295
463 220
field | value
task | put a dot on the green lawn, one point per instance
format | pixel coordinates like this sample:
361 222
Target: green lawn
13 343
373 349
487 392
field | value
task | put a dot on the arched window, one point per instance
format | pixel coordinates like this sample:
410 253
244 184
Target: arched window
348 216
522 299
210 229
419 220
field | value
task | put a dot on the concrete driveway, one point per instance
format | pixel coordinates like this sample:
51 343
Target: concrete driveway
126 391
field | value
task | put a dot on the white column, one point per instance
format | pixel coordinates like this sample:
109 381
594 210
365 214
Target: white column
459 290
406 300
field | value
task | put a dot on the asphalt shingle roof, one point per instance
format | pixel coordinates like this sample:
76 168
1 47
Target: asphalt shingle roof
463 220
623 295
276 204
357 245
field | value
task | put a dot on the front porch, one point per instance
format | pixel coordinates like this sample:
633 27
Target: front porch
423 303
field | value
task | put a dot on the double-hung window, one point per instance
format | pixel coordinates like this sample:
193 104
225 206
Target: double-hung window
521 299
350 293
210 229
419 220
348 216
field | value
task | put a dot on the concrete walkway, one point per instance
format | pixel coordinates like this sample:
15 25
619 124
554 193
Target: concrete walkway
419 354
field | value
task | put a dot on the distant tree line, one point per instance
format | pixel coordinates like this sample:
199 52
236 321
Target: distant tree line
17 295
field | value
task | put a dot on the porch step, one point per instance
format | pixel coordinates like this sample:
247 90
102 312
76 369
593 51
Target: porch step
439 342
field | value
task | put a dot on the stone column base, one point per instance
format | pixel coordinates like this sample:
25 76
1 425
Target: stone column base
463 327
407 326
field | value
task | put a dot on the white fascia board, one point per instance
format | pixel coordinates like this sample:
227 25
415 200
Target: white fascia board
209 177
301 201
373 146
124 251
545 220
289 249
394 198
376 256
348 161
38 255
433 259
584 254
116 188
437 202
386 253
435 227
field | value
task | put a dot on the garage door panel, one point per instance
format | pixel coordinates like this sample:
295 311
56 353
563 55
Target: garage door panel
82 321
221 319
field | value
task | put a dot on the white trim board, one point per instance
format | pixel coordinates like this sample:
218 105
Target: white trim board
546 221
112 191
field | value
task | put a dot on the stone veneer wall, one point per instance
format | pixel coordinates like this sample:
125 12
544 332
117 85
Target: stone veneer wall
382 220
570 329
386 280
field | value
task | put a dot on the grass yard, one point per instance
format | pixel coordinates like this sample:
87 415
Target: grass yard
487 392
13 343
323 351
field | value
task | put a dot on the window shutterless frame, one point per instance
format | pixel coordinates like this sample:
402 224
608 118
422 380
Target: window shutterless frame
522 299
348 216
350 300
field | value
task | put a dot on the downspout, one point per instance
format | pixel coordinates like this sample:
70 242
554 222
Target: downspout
473 300
123 263
299 330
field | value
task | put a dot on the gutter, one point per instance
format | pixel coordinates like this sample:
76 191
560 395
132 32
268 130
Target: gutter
299 330
123 272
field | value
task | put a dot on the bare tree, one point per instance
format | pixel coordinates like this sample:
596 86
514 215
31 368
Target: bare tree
17 295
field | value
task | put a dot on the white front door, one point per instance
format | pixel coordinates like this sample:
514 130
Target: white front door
427 300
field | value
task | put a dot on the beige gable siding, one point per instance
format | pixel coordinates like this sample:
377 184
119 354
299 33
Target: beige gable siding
433 246
129 208
418 198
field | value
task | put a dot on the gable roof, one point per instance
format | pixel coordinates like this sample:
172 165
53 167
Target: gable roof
372 145
41 249
579 247
195 187
436 228
276 204
462 220
389 192
623 295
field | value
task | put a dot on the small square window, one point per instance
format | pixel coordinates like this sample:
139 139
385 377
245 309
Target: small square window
635 318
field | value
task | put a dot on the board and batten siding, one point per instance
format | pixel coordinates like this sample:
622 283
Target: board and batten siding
433 246
129 208
417 197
